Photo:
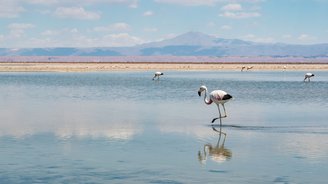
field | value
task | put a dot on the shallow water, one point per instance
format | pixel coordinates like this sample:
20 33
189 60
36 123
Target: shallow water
122 127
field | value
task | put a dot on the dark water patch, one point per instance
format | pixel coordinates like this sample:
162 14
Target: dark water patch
300 157
279 129
217 171
53 167
282 180
165 181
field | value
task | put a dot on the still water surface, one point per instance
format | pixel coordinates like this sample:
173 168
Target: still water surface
122 127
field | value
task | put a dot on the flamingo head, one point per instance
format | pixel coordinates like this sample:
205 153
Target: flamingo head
201 89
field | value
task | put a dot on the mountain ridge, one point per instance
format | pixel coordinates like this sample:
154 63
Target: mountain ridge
188 44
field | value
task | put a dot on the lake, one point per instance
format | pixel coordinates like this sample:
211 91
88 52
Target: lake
123 127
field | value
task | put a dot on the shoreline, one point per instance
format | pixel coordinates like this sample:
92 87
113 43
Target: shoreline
153 66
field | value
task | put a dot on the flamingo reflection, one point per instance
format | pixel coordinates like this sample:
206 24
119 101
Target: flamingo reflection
218 152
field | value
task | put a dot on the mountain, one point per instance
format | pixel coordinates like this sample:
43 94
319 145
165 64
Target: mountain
188 44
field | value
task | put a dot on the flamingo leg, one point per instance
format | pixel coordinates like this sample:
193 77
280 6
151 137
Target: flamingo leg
214 119
225 113
219 116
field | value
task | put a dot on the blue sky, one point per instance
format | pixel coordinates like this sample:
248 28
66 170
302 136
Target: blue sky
107 23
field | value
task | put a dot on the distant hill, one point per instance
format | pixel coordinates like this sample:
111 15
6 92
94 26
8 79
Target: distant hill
188 44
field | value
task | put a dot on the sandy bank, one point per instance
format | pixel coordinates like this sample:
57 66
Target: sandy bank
90 67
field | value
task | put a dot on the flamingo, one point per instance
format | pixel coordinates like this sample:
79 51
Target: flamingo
218 97
249 67
157 74
308 76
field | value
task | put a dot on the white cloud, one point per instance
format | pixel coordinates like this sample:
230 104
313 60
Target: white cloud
17 33
121 39
239 15
49 33
254 38
133 4
75 38
121 26
287 36
43 2
150 29
20 26
76 13
236 11
14 8
232 7
167 36
10 9
306 38
211 24
17 30
148 13
225 27
130 3
205 2
188 2
116 27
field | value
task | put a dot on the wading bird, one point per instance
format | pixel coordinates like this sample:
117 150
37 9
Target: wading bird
218 97
308 76
249 67
157 74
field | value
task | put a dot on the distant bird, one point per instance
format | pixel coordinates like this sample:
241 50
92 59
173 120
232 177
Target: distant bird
249 67
157 74
218 97
308 76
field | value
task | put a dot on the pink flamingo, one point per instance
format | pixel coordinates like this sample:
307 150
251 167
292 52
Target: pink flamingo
218 97
308 76
157 74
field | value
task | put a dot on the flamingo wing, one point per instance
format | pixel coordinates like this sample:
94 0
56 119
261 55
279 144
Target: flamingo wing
218 95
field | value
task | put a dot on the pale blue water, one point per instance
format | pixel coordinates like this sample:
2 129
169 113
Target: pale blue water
122 127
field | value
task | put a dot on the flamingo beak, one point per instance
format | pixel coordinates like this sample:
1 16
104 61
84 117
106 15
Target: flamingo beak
199 93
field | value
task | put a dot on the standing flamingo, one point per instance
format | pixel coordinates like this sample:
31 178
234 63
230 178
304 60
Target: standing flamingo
218 97
249 67
308 76
157 74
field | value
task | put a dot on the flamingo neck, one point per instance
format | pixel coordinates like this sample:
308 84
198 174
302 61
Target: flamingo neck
207 100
